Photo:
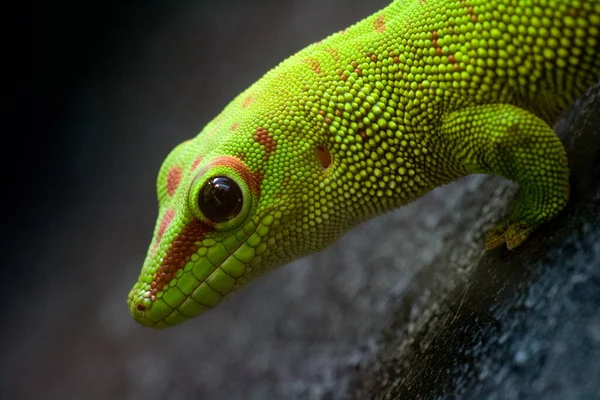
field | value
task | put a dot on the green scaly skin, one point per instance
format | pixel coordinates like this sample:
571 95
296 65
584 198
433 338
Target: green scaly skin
371 118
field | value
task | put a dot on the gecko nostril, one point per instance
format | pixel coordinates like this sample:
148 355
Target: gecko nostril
140 307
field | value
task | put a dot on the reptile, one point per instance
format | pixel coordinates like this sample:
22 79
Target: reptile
413 97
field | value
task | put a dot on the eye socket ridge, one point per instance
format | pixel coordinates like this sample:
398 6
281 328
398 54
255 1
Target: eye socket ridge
220 199
222 193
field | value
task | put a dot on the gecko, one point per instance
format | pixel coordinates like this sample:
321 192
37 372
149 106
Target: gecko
419 94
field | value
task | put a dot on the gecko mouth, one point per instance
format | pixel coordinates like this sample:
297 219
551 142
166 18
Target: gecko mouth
199 276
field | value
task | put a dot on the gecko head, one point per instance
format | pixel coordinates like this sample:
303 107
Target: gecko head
229 212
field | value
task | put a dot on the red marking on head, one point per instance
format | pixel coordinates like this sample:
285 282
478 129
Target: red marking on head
173 180
214 130
179 253
241 156
324 156
196 162
314 64
334 53
235 126
253 180
258 176
164 224
264 139
248 100
380 23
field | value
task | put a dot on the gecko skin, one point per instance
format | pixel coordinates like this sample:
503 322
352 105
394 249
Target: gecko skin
371 118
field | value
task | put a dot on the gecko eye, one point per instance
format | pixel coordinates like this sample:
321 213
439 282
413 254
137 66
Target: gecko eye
220 199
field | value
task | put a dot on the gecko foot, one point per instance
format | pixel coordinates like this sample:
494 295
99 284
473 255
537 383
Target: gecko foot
511 232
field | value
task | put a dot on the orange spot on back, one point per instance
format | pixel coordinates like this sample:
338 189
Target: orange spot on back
470 10
363 135
334 53
235 126
380 23
173 180
324 156
314 64
248 100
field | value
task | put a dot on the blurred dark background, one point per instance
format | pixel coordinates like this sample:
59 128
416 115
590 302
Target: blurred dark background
405 306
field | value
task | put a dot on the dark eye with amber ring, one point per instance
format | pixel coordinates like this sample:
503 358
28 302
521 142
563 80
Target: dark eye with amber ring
220 199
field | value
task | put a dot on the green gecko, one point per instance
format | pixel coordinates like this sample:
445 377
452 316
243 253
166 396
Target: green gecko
415 96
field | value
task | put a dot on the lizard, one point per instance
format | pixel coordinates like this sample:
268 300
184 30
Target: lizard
413 97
